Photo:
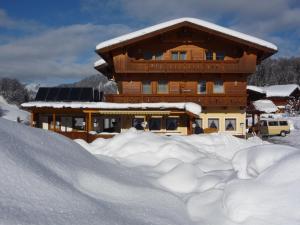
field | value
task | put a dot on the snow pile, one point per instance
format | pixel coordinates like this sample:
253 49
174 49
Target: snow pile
265 106
220 178
188 106
198 22
46 178
12 112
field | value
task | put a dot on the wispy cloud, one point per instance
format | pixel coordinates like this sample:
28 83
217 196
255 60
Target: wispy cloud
55 53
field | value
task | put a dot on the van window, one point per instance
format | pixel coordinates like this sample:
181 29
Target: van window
263 123
283 123
273 123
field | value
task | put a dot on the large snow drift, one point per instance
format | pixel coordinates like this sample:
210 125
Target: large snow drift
143 178
46 178
222 180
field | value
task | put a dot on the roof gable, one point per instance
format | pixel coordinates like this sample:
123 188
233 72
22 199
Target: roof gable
172 24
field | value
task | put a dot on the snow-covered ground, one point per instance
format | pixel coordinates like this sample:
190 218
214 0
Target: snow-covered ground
12 112
143 178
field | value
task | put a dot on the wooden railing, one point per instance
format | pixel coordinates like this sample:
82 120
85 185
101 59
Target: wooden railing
185 66
208 100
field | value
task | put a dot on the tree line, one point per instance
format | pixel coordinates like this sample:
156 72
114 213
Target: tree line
276 71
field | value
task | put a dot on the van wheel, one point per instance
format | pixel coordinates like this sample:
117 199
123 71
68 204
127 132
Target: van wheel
282 134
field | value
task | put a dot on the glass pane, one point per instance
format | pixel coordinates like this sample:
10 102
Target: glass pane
159 56
79 123
273 123
146 87
283 123
198 122
174 55
230 124
172 123
147 55
220 56
213 123
137 123
209 55
182 55
155 124
162 87
218 86
202 87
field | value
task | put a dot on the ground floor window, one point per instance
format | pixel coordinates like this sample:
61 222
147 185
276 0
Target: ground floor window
172 123
79 123
213 123
230 124
155 124
66 123
110 125
138 123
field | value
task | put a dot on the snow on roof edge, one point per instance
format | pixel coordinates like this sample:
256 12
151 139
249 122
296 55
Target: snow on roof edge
256 89
100 62
265 105
188 106
199 22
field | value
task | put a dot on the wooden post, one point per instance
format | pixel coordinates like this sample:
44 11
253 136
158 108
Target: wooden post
32 119
54 121
89 122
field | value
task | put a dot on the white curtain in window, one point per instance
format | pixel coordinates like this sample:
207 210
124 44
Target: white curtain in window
230 124
218 86
162 87
213 123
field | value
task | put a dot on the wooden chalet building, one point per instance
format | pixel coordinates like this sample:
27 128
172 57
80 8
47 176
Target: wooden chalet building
172 78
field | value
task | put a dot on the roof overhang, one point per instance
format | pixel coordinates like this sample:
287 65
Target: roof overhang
265 48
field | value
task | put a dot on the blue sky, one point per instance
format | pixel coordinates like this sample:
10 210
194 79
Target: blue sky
53 42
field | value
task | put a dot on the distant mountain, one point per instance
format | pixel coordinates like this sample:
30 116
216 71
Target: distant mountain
98 81
32 89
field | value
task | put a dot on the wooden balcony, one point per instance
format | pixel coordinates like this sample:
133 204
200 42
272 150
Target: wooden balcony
185 66
207 100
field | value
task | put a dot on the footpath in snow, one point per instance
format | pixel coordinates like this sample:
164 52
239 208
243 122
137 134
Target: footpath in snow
142 178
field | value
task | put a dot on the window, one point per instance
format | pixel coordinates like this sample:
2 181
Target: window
172 123
178 55
201 87
137 123
158 56
220 56
155 124
110 125
213 123
218 86
209 55
66 124
230 124
147 55
283 123
198 122
146 87
273 123
79 123
162 87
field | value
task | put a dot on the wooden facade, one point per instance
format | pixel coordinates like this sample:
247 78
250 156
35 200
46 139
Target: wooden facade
180 63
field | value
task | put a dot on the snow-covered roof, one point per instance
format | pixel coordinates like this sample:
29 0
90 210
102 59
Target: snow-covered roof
195 21
100 62
266 106
256 89
281 90
188 106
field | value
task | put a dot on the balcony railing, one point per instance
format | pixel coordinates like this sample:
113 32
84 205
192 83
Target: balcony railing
207 100
184 66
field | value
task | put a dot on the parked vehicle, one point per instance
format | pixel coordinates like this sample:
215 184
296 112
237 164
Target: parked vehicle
272 127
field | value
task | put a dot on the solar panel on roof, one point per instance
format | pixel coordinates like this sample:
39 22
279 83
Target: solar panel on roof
52 94
74 94
87 94
63 94
41 94
66 94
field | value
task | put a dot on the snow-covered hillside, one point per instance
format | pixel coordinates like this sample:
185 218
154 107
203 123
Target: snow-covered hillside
142 178
12 112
